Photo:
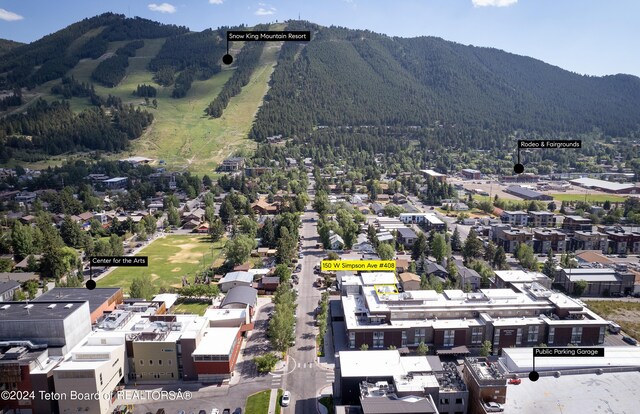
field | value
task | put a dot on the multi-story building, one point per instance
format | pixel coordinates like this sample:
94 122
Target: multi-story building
471 174
576 223
485 381
515 218
58 325
587 240
509 239
95 368
100 300
542 219
526 316
385 382
545 239
621 241
27 367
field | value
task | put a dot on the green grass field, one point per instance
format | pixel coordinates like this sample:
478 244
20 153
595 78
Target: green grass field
258 403
600 198
170 258
195 308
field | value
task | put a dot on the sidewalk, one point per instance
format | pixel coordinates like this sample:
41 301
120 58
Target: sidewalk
273 400
328 361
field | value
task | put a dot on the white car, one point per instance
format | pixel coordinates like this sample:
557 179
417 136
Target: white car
286 399
215 411
493 407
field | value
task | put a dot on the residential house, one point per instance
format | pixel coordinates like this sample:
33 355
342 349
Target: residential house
262 207
7 289
406 236
409 281
233 279
232 164
336 242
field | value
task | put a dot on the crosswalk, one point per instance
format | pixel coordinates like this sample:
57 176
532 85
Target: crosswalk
329 376
276 381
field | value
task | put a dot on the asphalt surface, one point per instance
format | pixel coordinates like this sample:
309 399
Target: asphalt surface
305 378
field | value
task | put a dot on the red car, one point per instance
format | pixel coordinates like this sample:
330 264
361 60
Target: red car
515 381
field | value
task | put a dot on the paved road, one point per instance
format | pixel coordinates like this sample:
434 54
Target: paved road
305 377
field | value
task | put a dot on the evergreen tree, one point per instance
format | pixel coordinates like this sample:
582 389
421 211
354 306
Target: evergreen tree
550 265
438 248
419 247
472 247
500 259
456 244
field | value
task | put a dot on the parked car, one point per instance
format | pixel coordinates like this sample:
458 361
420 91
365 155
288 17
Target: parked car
286 399
629 340
515 381
215 411
226 411
493 407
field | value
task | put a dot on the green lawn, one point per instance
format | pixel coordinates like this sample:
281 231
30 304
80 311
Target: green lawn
278 406
590 197
258 403
195 308
170 258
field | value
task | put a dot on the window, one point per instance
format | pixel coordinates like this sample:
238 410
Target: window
404 338
120 371
519 336
601 336
378 339
476 335
576 335
444 401
532 334
420 335
151 362
141 362
458 400
496 336
352 340
449 336
100 379
552 334
159 362
169 362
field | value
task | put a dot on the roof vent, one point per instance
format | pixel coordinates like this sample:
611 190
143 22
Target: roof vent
29 306
53 305
68 305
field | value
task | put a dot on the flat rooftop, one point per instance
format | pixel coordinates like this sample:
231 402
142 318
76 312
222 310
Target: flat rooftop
43 310
95 297
575 394
519 276
521 359
217 341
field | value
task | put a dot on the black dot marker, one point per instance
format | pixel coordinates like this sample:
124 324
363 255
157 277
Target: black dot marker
518 168
91 284
227 59
533 375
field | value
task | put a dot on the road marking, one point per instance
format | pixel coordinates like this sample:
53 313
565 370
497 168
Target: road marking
276 375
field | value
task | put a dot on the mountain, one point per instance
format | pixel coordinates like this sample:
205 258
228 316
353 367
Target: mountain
354 77
6 45
203 110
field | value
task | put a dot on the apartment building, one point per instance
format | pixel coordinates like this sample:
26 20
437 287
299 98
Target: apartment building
525 315
549 239
509 239
542 219
515 218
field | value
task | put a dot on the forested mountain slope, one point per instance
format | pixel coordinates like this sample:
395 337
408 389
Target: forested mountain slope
352 77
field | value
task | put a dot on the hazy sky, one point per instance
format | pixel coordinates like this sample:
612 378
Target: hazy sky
586 36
